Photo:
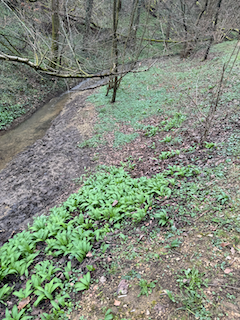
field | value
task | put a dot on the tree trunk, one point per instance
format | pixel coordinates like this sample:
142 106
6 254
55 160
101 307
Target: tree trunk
184 23
136 23
202 12
215 21
55 33
168 29
116 8
89 8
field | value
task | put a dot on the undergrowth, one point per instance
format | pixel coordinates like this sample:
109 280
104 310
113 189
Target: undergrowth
105 200
177 89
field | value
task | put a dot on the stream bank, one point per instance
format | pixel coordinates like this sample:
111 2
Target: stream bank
42 175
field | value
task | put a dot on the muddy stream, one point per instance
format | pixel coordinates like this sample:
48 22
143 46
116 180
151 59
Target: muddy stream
39 159
34 128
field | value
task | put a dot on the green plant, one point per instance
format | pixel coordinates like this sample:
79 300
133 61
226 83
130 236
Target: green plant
46 292
223 198
146 288
15 315
168 154
191 279
60 301
150 131
108 315
104 247
139 215
46 270
187 171
174 122
24 293
162 217
5 292
36 280
166 139
209 145
51 316
84 283
171 295
131 275
174 244
90 268
192 296
67 270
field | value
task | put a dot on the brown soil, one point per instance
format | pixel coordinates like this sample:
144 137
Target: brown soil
141 256
42 175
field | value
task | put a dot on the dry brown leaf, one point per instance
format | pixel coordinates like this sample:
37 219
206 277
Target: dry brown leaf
89 254
225 244
122 287
212 228
115 202
160 308
117 303
228 270
23 303
141 236
232 251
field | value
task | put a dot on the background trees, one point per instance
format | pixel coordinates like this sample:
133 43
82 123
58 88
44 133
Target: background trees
87 38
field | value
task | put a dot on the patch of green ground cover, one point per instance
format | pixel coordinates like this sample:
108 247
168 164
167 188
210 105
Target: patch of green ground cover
107 198
164 89
135 102
194 278
232 146
191 295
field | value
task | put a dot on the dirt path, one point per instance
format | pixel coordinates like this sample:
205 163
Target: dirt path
42 175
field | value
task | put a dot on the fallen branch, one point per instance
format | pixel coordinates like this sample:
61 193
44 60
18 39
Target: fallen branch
224 286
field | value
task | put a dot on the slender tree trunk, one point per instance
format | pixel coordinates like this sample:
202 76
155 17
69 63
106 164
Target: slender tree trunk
202 12
55 33
136 23
168 29
215 21
183 11
116 8
89 8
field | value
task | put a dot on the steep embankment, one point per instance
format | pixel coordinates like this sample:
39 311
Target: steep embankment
38 176
156 236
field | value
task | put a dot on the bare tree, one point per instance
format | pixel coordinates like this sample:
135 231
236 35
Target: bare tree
55 33
116 9
52 36
88 17
214 26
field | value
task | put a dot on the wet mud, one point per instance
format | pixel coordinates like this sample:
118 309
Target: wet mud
43 174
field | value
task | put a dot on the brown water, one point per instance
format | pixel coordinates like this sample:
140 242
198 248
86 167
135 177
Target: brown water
34 128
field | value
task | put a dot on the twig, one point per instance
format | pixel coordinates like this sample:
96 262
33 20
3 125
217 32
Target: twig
224 285
137 71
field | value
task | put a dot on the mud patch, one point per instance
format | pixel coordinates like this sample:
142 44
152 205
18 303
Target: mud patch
84 121
42 175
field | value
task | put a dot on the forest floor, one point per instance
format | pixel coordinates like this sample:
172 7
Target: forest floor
153 229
